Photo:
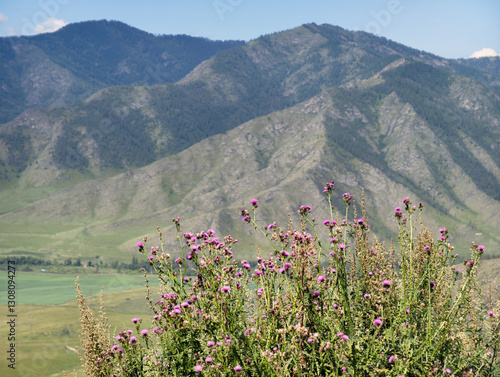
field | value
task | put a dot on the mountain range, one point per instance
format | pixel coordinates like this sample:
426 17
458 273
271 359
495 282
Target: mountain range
95 151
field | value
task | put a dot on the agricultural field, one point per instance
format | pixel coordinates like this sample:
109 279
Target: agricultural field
47 322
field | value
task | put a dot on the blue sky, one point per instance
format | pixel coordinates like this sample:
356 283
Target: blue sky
449 28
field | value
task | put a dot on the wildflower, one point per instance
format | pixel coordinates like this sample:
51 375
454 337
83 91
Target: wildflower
144 332
377 322
254 203
304 210
391 359
133 340
210 343
321 278
386 283
237 368
491 314
447 371
226 288
208 360
347 198
140 245
198 368
136 320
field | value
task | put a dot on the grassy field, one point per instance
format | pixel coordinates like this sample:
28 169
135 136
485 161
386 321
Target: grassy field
48 328
52 289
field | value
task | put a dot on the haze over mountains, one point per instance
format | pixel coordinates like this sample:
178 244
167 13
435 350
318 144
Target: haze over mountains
95 151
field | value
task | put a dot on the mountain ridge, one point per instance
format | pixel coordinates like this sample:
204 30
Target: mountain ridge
64 67
273 118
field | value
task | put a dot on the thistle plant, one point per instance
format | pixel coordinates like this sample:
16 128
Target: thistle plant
344 305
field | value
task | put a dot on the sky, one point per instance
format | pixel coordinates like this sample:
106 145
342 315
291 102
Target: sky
448 28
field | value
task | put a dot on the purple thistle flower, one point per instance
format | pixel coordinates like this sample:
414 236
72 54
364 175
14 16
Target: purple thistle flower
377 322
237 368
254 203
386 283
210 343
226 288
321 278
140 245
133 340
135 320
391 359
198 368
144 332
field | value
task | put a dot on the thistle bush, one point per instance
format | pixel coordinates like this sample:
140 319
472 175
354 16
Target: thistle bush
345 305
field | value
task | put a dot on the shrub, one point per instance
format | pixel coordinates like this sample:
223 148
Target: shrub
344 305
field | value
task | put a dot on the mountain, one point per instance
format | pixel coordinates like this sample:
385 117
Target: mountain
67 66
274 118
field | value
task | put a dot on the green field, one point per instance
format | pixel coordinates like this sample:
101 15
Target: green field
48 324
51 289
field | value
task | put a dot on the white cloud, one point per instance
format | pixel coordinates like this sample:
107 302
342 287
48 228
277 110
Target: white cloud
50 25
3 17
484 53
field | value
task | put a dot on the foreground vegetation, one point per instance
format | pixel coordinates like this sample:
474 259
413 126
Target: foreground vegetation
347 305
